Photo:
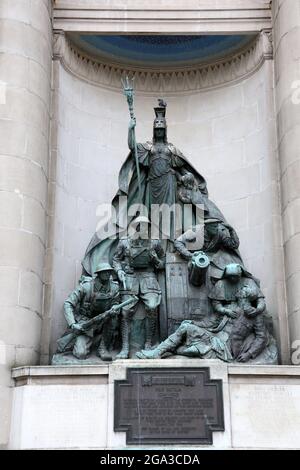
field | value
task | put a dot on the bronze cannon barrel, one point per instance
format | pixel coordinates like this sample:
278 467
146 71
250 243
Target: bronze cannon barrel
198 268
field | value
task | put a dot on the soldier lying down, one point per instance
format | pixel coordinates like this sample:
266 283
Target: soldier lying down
200 339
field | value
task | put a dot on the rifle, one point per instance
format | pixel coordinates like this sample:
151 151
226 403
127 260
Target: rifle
65 340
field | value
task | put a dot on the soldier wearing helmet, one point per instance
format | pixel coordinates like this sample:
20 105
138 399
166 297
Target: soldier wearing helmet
136 261
92 296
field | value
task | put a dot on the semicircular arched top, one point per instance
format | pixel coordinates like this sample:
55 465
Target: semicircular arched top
162 50
184 78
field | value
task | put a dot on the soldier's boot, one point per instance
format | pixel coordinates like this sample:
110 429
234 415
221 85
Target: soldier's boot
102 352
167 346
236 343
150 329
190 351
124 353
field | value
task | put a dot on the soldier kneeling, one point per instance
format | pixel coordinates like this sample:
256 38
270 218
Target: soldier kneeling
92 297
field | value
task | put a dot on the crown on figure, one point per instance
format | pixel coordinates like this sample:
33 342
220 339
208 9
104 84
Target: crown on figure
160 115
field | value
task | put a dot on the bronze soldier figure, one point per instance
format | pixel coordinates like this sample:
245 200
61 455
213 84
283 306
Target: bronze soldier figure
237 332
238 297
200 339
93 296
219 243
136 261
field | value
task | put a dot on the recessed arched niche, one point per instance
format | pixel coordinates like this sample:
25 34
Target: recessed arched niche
219 93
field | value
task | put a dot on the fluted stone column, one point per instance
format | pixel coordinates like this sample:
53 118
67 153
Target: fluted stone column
286 18
25 82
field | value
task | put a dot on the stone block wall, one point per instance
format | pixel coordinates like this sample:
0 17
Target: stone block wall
261 406
25 75
286 17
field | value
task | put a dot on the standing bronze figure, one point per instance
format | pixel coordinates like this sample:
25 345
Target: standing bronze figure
136 262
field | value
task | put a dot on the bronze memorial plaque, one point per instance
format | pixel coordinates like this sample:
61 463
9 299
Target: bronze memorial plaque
168 406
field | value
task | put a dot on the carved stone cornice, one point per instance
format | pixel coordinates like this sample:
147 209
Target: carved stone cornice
185 79
162 17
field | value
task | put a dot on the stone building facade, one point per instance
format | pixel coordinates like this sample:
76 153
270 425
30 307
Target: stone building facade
63 117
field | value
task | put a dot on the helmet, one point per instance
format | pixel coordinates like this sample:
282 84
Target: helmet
212 221
103 267
188 178
233 269
160 115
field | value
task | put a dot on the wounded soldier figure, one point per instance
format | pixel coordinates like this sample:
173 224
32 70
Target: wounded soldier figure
202 339
235 332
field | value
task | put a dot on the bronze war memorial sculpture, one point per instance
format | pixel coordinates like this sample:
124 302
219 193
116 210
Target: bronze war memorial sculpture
166 278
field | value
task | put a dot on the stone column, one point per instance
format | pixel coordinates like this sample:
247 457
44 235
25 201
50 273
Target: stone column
286 18
25 87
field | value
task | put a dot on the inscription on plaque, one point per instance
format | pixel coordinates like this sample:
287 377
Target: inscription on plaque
168 406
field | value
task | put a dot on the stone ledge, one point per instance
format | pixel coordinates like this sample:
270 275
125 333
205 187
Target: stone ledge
87 371
252 370
129 16
46 371
259 403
